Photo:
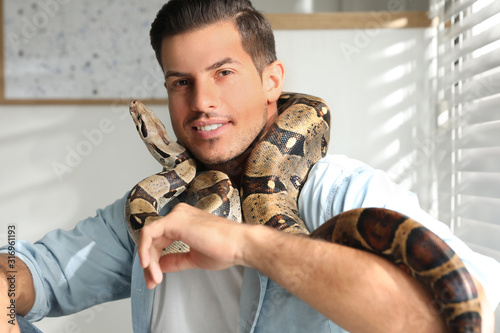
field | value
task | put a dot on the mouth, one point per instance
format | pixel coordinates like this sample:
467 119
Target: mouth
208 128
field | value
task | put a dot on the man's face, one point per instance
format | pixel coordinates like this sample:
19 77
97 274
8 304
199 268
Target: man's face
217 101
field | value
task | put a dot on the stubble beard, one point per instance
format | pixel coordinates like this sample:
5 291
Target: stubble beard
234 164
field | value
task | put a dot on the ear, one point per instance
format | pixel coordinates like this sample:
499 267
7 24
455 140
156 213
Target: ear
273 76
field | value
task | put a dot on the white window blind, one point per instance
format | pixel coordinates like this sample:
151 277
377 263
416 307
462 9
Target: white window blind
468 120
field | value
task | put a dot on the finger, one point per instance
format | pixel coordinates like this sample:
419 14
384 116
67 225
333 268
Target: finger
169 263
151 244
150 282
175 262
155 273
152 241
145 243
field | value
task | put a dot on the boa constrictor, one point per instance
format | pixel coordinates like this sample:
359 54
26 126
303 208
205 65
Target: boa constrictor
272 179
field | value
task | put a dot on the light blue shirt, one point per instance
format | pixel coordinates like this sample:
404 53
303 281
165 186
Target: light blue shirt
97 261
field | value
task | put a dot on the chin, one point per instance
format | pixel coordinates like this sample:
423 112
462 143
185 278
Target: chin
213 162
219 160
223 160
209 160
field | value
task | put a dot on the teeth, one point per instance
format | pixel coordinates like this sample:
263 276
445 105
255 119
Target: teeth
207 128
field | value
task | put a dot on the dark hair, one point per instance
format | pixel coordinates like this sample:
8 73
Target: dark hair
180 16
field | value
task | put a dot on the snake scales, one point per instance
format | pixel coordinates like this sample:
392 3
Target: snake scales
272 179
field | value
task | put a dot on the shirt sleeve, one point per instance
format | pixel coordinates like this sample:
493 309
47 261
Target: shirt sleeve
76 269
337 184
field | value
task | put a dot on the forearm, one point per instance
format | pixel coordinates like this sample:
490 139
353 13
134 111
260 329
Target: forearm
356 289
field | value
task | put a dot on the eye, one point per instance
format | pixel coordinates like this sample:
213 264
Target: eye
224 72
181 83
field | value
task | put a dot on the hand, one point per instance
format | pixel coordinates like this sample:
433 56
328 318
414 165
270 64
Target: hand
216 243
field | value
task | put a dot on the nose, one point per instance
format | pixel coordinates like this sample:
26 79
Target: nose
205 96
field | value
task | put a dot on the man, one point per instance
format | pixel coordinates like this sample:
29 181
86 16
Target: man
223 83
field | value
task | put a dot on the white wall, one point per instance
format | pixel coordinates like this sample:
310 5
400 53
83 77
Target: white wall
376 83
33 197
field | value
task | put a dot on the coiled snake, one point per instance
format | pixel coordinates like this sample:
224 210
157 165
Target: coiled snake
272 179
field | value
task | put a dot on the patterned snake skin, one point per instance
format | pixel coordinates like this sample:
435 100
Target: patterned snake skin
272 179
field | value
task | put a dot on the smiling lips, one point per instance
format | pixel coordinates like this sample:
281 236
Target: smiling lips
207 128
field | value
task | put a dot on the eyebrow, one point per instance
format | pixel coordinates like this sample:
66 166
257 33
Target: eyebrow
221 63
216 65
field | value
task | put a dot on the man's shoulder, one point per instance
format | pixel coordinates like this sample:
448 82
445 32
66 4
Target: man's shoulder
334 184
339 165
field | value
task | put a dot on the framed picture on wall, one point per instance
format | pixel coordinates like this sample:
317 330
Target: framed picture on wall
91 52
79 51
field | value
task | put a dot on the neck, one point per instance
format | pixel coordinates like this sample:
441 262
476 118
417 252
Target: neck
235 167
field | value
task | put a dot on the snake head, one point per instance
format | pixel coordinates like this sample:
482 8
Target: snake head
154 135
149 127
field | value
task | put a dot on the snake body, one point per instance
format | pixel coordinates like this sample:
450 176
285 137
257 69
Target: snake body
419 252
272 179
271 185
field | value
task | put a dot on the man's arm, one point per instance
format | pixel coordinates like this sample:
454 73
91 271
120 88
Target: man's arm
357 290
17 293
